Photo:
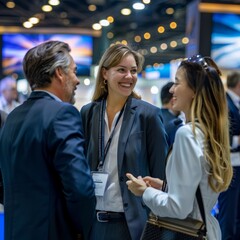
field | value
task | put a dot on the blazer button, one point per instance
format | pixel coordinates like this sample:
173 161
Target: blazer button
121 179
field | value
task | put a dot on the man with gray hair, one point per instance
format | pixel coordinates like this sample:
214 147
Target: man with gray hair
8 94
48 188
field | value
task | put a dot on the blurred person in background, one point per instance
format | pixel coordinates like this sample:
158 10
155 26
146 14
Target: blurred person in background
171 119
3 117
48 188
123 133
8 94
229 201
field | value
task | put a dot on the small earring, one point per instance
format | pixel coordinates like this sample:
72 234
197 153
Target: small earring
105 81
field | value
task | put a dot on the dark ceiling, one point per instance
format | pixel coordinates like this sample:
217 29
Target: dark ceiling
74 14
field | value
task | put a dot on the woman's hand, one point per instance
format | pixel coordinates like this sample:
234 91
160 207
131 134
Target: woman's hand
136 185
153 182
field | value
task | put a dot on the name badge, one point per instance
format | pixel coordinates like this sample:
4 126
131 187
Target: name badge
100 181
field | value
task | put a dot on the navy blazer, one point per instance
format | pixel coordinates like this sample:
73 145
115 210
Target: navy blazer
234 118
48 188
142 149
171 123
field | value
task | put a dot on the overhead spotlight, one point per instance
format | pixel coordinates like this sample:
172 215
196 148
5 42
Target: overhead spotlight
170 11
110 19
10 4
33 20
124 42
54 2
47 8
126 11
96 26
185 40
92 8
153 49
173 25
154 90
104 22
138 6
173 44
146 1
86 81
137 38
27 24
161 29
110 35
147 35
163 46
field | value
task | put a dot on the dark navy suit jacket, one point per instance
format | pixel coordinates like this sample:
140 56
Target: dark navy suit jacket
171 123
142 149
48 189
234 118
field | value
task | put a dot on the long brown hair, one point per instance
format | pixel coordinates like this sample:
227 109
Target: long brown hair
209 107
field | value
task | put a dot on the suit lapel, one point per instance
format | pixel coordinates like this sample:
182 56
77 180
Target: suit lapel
128 120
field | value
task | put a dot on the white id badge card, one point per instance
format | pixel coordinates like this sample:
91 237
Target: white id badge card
100 181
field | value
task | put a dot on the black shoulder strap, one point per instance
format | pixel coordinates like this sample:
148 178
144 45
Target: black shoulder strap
201 207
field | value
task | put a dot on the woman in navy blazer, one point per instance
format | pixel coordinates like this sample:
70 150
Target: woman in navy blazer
123 133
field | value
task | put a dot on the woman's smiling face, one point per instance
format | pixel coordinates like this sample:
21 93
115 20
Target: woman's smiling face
122 78
182 93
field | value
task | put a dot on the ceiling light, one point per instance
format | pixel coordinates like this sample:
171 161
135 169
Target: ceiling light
110 19
96 26
124 42
154 90
169 11
10 4
33 20
27 24
173 25
147 35
173 44
185 40
86 81
47 8
54 2
137 39
110 35
163 46
153 49
146 1
126 11
92 8
138 6
104 22
161 29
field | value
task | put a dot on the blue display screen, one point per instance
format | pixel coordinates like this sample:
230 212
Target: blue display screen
225 40
15 46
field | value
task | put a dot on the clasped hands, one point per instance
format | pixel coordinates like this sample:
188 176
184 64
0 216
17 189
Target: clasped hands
138 185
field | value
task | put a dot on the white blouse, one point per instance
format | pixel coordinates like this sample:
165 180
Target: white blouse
186 169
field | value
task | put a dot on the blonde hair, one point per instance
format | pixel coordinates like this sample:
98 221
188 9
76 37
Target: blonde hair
209 107
111 58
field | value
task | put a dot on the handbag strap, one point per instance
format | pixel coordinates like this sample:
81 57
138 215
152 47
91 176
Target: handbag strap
201 207
198 194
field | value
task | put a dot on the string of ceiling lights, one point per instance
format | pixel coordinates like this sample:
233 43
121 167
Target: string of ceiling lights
153 46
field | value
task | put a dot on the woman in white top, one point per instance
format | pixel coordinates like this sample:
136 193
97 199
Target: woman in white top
200 154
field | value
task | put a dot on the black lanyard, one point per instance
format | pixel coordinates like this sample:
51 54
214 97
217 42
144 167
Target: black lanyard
104 150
